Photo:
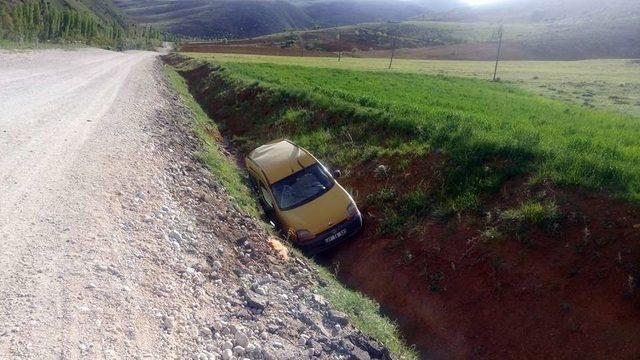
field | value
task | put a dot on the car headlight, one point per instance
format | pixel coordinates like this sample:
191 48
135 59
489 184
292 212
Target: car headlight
352 210
304 236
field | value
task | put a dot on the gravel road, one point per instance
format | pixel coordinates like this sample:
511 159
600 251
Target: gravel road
116 243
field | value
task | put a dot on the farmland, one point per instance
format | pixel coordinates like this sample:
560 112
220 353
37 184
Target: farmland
612 84
468 186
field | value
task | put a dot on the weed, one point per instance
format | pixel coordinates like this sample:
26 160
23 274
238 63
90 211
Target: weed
382 197
392 223
417 203
492 233
533 212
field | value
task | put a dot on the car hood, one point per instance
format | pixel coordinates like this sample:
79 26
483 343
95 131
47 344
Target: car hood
322 213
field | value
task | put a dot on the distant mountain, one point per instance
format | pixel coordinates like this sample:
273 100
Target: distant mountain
544 11
533 30
336 13
249 18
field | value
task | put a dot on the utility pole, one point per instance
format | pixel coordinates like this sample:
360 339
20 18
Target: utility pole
393 52
301 42
339 48
500 33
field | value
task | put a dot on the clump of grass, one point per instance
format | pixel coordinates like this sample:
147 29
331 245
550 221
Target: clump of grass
417 204
542 213
392 223
382 197
491 233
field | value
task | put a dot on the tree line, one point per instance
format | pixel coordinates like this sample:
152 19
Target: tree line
38 21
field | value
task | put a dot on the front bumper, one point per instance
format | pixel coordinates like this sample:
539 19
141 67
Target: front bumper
334 236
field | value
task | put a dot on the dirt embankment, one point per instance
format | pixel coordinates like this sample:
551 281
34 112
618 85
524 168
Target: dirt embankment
476 284
474 287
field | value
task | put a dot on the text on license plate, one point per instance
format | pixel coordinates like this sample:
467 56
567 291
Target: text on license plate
337 235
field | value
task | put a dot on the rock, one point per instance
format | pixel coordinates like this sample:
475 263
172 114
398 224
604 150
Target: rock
227 354
205 332
174 235
216 265
242 339
273 328
227 345
302 341
167 322
232 329
254 300
381 170
312 319
370 346
338 317
260 290
243 241
238 351
319 299
267 355
359 354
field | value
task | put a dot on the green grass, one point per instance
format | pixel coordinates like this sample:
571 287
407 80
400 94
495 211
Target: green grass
612 84
363 312
472 121
541 213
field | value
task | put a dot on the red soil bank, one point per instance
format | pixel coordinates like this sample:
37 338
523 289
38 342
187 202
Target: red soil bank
567 293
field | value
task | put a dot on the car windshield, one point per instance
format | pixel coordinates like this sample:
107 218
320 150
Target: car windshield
302 187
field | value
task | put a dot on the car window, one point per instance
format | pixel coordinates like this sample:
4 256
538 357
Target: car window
302 187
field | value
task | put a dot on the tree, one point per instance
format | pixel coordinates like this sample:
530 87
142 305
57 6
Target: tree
6 22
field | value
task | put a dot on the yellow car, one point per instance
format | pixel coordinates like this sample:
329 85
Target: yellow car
302 197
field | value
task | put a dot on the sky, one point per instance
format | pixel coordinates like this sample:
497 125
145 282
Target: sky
480 2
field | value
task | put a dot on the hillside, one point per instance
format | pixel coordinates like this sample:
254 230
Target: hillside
105 10
250 18
213 18
92 22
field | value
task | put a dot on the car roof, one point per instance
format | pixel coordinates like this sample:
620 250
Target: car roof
281 158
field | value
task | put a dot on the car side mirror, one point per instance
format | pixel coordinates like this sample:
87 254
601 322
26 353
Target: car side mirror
336 174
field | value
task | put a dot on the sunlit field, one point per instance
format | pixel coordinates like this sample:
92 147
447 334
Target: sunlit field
470 119
612 84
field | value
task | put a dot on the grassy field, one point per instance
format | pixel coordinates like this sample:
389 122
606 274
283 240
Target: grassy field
612 84
474 122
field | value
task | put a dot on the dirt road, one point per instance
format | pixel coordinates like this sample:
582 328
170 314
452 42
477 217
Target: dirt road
116 243
74 139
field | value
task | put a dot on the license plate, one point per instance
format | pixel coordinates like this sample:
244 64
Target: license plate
336 236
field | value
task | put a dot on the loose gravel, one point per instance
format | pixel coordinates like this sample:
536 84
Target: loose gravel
116 242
